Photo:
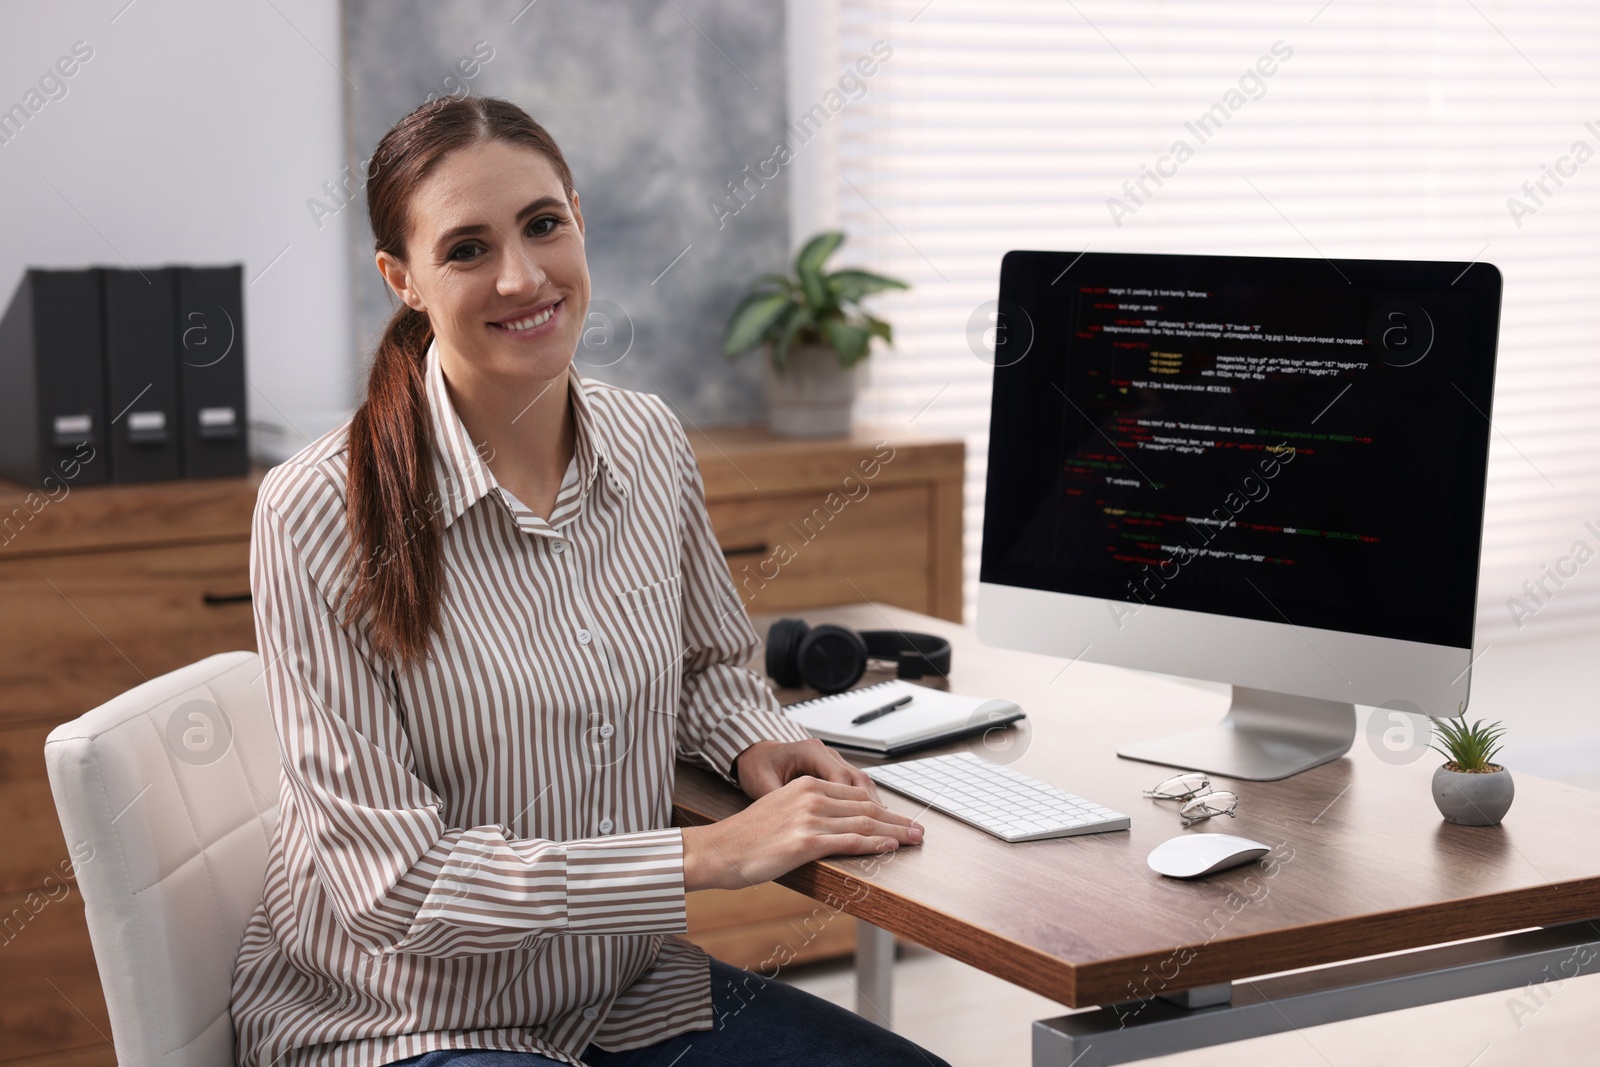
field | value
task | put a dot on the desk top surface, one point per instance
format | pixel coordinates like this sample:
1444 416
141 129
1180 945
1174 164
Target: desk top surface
1083 920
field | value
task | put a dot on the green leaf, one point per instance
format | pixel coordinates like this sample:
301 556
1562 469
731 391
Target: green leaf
808 267
848 340
849 286
1470 747
751 320
817 250
797 318
878 328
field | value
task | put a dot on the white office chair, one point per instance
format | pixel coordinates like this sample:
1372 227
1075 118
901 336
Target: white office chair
168 805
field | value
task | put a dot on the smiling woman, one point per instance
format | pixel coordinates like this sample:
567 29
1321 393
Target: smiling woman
479 699
502 283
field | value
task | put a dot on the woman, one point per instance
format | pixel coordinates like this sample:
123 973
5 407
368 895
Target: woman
492 612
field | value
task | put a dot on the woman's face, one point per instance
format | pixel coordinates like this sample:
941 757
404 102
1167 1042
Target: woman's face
496 259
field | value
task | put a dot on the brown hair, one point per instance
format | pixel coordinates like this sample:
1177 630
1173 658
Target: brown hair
392 499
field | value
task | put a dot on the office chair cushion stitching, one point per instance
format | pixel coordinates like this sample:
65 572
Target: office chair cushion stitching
211 881
200 847
188 862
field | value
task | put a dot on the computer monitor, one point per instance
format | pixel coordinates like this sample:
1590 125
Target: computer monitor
1260 471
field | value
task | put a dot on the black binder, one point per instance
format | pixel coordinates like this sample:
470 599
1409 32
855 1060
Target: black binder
52 382
211 382
141 373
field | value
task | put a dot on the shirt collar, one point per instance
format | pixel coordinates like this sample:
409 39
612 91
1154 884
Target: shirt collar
460 474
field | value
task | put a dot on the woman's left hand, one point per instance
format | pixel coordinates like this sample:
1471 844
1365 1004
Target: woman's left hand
769 765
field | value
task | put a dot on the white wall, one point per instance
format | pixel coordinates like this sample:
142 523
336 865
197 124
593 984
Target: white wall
813 69
195 133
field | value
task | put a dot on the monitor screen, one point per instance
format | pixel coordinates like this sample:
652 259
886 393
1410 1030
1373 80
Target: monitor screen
1287 440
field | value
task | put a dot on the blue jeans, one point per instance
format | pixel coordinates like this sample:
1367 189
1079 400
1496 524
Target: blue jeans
757 1024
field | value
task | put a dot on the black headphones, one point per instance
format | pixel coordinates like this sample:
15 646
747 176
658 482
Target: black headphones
830 659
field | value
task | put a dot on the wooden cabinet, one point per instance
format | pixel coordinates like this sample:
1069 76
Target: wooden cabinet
83 625
108 586
100 589
809 523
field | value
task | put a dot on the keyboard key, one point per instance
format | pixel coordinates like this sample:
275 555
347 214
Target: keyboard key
999 800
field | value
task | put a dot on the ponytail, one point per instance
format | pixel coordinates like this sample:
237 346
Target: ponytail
394 533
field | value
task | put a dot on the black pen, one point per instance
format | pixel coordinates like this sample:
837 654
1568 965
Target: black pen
886 709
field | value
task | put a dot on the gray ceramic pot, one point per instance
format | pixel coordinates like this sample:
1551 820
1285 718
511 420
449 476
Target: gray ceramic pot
1471 799
813 395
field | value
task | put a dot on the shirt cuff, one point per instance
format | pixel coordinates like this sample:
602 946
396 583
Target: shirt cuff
739 731
627 884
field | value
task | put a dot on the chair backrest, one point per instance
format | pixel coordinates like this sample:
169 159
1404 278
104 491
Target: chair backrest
168 798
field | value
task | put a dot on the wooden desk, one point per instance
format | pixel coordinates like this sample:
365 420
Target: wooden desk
1084 921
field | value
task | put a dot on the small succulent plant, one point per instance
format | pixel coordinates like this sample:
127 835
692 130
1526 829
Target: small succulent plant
1469 747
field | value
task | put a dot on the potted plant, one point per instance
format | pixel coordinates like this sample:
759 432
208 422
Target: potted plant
816 336
1470 789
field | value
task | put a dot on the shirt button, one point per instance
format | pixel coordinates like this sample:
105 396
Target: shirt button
589 1013
606 826
607 730
559 547
583 637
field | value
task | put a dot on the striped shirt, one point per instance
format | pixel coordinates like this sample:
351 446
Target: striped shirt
478 851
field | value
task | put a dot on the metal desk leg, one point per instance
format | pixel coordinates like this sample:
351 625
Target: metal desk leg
874 972
1534 963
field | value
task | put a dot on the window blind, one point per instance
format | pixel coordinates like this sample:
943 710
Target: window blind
1447 130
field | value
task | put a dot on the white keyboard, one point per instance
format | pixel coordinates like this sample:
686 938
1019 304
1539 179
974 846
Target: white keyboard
995 798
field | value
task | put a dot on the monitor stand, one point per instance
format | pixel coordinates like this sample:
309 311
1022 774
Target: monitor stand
1264 737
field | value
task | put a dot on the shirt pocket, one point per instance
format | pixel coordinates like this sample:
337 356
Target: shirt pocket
651 658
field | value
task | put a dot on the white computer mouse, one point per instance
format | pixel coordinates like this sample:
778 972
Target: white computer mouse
1192 855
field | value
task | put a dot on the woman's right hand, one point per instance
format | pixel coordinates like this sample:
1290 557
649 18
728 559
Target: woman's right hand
804 820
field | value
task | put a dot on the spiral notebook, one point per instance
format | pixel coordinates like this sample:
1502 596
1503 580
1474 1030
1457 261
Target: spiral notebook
932 716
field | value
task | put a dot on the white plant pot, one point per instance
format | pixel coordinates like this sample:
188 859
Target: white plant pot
1471 799
813 395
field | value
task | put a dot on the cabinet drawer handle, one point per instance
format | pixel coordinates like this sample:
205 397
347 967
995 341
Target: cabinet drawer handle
759 548
225 598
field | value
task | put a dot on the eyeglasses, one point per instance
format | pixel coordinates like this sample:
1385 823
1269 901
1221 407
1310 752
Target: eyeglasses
1180 787
1200 801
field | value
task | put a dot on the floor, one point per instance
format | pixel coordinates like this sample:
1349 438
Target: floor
1547 694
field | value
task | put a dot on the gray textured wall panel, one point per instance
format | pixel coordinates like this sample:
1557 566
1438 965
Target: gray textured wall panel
657 106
